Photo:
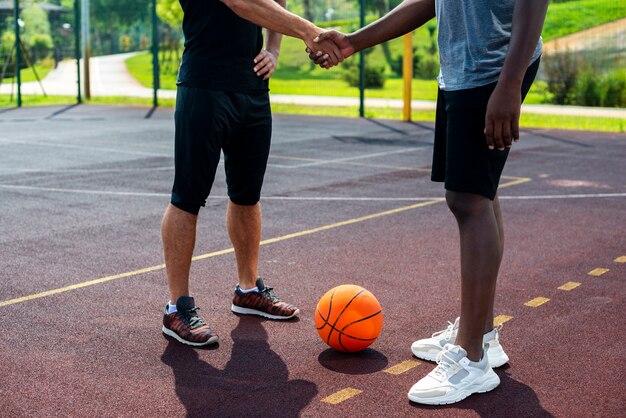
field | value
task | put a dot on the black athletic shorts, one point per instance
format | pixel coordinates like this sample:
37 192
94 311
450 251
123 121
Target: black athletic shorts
208 122
461 158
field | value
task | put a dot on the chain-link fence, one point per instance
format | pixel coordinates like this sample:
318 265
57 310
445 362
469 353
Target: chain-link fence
583 62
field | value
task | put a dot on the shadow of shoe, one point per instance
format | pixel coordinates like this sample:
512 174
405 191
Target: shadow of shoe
255 381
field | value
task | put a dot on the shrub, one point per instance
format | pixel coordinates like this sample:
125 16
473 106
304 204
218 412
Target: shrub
374 74
40 46
613 90
126 44
561 70
586 91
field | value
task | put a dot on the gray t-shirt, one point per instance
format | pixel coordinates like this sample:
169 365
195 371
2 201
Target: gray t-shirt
473 38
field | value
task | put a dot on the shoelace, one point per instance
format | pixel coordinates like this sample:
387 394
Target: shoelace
267 293
447 333
443 365
192 318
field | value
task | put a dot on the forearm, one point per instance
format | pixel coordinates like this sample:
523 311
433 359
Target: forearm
272 16
528 18
274 39
406 17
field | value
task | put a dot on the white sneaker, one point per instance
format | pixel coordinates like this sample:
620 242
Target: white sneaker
429 348
454 378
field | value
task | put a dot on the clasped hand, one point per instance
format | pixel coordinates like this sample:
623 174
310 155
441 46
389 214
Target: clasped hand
329 48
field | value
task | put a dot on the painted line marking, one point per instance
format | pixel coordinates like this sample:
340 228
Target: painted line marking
621 259
81 285
216 253
501 319
518 180
537 302
358 157
514 181
403 367
342 395
395 167
598 272
544 176
569 286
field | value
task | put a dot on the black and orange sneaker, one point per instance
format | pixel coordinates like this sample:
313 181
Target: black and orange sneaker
262 302
186 326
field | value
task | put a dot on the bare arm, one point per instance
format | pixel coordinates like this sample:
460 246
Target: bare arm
270 15
406 17
274 39
265 63
503 110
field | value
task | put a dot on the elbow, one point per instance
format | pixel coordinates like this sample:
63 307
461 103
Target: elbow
235 5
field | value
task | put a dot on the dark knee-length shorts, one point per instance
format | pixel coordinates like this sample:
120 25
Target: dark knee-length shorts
209 122
461 157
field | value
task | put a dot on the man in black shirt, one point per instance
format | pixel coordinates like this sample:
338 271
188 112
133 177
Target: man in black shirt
222 105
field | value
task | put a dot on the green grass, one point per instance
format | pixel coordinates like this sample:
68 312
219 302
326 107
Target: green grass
289 79
43 68
529 120
574 16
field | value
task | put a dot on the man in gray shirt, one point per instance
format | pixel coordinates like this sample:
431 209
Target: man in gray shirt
489 55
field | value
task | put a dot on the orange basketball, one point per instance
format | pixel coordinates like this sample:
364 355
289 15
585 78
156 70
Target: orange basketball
348 318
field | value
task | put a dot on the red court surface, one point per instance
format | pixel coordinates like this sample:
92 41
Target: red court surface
82 192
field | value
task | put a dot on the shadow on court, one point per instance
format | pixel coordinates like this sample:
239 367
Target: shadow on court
345 200
254 383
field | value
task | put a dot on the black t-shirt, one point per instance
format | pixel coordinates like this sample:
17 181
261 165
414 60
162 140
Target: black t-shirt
220 48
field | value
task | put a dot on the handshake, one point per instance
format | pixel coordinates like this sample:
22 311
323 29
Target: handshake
330 48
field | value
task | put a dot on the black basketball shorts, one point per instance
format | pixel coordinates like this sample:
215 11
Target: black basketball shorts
461 157
208 122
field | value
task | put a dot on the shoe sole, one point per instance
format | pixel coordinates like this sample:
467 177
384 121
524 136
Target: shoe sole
248 311
497 356
170 333
492 382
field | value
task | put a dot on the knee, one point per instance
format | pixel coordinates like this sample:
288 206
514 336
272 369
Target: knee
466 205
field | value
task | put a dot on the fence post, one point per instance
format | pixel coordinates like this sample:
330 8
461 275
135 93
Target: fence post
79 97
155 55
407 73
86 46
18 51
362 67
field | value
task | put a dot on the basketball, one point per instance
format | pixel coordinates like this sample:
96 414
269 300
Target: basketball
348 318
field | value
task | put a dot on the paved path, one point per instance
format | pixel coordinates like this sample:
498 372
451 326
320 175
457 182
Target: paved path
110 77
611 35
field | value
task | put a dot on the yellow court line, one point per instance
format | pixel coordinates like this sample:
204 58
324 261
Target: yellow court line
514 181
342 395
621 259
569 286
81 285
403 367
598 272
517 180
314 160
501 319
537 302
214 254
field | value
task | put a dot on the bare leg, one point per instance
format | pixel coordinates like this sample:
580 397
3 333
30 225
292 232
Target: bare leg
178 231
498 214
244 229
480 261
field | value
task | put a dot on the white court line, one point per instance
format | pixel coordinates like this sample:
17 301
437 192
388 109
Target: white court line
313 198
360 157
50 144
81 170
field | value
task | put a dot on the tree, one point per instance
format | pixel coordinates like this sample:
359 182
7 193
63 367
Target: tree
170 12
36 32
